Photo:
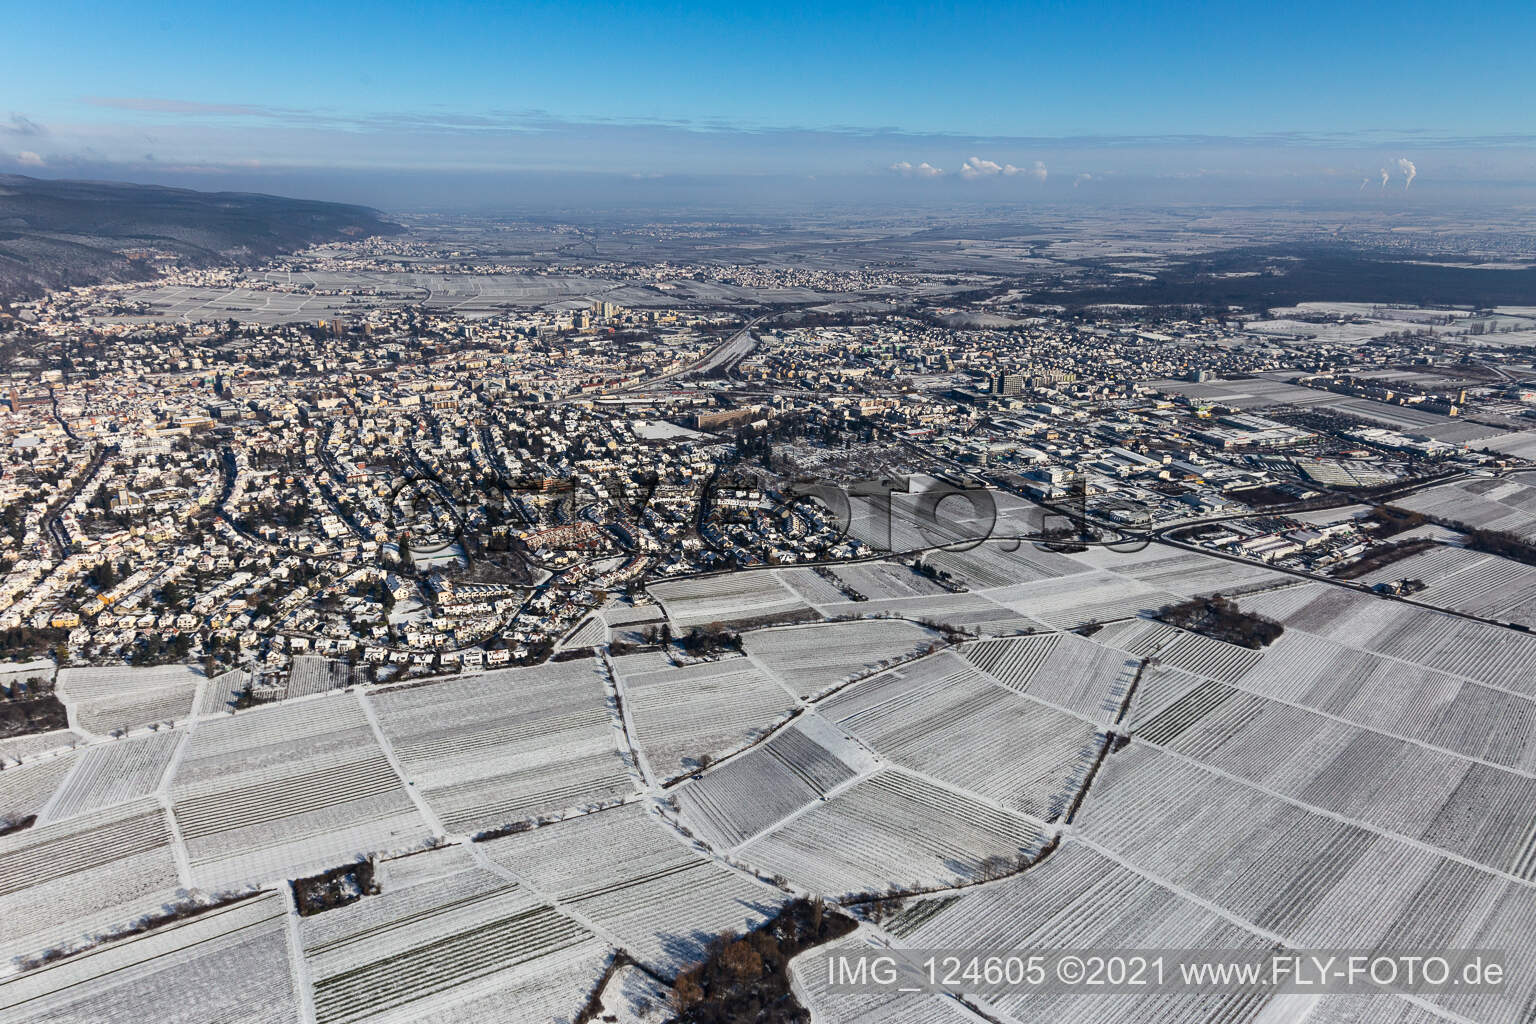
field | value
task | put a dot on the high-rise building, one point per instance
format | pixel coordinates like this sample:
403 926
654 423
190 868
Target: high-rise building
1006 383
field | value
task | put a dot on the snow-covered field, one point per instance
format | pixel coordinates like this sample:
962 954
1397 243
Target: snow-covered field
989 566
636 880
1062 669
503 746
227 964
448 938
751 793
288 790
63 882
1072 601
1314 878
26 788
880 580
1080 899
28 746
683 714
1427 704
1368 780
973 613
1468 581
110 773
1487 503
948 721
108 699
892 830
727 598
1502 659
1477 810
810 659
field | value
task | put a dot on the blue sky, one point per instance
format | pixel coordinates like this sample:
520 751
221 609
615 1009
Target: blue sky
1305 95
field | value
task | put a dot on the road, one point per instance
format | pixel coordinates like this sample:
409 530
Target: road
53 396
726 354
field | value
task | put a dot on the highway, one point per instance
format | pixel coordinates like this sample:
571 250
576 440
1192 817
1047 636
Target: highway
724 355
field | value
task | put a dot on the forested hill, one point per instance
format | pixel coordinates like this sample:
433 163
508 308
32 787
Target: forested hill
59 233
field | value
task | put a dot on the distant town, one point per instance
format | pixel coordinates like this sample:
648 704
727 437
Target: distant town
413 491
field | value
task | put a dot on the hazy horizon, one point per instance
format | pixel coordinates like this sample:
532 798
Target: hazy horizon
622 106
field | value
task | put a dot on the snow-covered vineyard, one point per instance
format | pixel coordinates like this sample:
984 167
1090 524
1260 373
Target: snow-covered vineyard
1023 756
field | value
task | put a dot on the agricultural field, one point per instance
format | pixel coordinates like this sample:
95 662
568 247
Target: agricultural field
878 581
976 614
1472 650
1521 444
1488 586
1082 676
588 633
230 963
1072 601
1418 674
115 772
749 794
24 748
618 615
310 674
105 700
1185 573
897 526
637 881
943 718
220 693
1487 503
810 659
26 788
283 791
504 746
1470 808
893 830
628 624
448 937
883 1007
1079 898
681 715
1193 652
1314 878
992 566
814 588
929 515
728 598
63 882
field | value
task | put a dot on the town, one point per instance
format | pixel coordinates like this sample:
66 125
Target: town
669 612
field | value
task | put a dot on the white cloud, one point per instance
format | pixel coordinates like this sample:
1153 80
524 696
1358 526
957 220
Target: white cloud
1085 176
27 158
976 167
1409 171
923 170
